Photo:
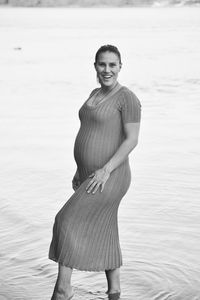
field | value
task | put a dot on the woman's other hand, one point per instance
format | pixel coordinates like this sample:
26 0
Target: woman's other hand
76 181
99 178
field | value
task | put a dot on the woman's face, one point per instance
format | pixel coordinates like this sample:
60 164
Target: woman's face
107 68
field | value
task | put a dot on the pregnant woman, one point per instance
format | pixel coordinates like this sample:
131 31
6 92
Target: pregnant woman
85 232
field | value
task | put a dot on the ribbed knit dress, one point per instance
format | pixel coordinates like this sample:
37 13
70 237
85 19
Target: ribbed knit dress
85 231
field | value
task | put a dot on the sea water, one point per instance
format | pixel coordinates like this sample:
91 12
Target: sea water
46 73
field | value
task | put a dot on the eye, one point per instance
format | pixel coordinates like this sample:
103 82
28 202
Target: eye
112 65
101 64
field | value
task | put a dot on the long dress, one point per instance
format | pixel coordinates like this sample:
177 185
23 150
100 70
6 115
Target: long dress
85 231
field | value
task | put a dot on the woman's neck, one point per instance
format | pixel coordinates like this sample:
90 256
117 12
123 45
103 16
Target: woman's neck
106 89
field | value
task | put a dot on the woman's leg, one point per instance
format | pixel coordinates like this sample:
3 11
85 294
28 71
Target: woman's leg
63 289
113 279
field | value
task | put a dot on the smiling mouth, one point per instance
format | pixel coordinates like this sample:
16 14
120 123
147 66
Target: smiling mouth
107 76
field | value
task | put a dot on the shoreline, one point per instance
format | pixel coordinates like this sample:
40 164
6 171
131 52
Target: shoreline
98 4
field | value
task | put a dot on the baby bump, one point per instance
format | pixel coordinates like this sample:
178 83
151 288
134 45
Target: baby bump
93 151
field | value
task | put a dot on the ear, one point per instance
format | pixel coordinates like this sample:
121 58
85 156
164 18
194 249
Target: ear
120 66
95 66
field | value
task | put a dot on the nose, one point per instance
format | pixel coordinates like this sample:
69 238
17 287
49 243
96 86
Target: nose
107 69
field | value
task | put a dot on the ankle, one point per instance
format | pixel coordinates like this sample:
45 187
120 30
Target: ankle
114 295
113 291
67 289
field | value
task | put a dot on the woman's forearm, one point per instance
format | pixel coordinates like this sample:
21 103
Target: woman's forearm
121 154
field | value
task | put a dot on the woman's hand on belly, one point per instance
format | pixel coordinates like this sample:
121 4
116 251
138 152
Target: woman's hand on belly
76 181
99 179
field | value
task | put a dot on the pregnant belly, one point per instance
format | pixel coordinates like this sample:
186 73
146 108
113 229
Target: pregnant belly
93 152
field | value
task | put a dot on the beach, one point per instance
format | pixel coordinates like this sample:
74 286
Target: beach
46 74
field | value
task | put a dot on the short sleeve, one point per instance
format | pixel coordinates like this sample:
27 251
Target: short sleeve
130 107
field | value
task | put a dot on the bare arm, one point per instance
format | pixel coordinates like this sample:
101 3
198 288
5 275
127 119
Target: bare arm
101 176
132 133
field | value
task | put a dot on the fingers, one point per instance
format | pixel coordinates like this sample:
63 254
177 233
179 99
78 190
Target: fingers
75 187
91 175
96 188
75 184
91 185
102 186
98 181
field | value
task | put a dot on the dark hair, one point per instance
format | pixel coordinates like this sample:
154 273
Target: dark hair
109 48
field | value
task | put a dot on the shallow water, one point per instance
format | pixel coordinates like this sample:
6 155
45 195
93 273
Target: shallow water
46 73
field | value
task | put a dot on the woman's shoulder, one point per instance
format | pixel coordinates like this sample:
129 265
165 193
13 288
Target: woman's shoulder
93 92
127 95
129 106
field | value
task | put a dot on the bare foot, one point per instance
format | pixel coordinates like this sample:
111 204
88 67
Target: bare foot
63 295
70 294
114 296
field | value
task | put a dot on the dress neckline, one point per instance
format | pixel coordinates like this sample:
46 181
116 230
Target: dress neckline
113 92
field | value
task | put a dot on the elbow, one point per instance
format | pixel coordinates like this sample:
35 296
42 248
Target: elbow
133 144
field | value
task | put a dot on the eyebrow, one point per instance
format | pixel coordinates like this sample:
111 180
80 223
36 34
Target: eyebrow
102 62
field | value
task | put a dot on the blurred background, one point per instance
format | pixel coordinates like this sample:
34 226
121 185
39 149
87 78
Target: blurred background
99 2
46 73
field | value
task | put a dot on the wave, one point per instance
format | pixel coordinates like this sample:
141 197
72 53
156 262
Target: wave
89 3
176 3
